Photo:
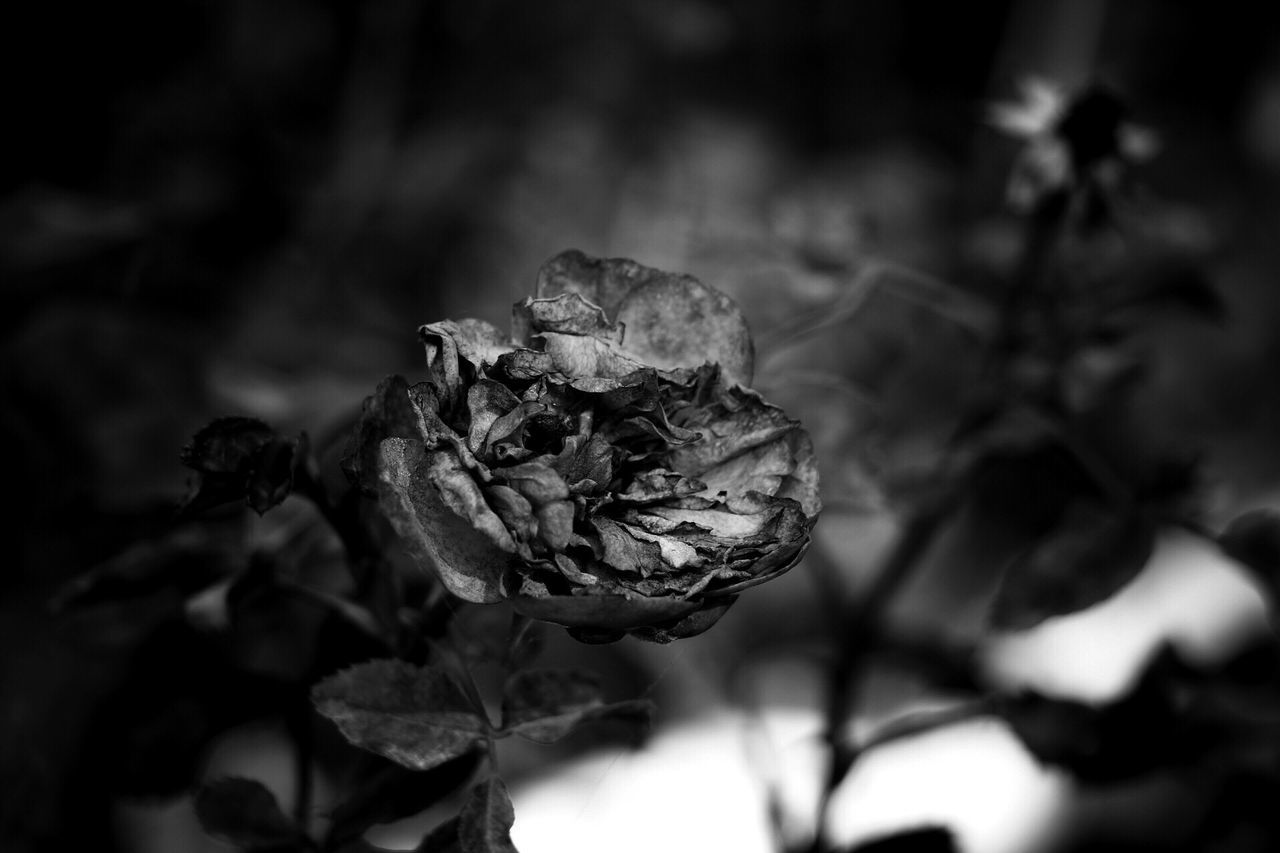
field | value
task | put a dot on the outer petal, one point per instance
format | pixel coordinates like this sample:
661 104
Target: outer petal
671 320
568 313
605 612
434 504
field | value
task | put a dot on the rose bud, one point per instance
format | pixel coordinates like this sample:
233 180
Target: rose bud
606 467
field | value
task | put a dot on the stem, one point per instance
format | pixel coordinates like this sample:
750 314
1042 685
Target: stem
861 630
340 517
303 748
519 628
462 675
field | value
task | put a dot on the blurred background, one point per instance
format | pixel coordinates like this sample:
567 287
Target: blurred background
248 207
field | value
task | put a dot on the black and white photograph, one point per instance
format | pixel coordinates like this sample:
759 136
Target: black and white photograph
640 426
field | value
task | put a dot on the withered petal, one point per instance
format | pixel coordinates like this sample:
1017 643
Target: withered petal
555 524
514 509
658 485
729 433
568 313
625 552
671 320
487 401
435 506
536 481
585 357
570 569
721 523
616 612
760 469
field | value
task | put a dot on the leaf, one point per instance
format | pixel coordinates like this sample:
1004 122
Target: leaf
226 445
415 716
243 812
1253 539
443 839
189 559
1092 553
241 459
1146 730
484 824
393 793
544 705
387 413
929 839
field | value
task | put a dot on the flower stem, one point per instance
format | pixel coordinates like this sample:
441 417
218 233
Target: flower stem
860 633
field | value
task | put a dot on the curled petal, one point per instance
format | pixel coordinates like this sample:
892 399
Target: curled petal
514 509
555 524
615 612
584 357
568 314
671 320
728 433
690 626
434 504
627 553
537 482
801 484
487 401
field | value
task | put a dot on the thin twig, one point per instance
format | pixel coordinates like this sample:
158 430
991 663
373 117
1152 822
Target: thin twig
861 629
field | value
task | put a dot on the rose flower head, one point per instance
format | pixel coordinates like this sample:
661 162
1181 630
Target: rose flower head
605 467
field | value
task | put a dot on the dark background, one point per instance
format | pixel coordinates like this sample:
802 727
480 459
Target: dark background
248 207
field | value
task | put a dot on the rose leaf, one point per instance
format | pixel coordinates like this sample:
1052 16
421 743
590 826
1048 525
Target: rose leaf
1093 552
392 793
1253 540
244 813
545 705
415 716
484 824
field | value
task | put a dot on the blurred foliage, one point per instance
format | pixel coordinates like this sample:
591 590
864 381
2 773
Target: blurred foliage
245 208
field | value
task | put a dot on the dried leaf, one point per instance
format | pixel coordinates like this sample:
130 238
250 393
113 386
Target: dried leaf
244 813
241 459
545 705
387 413
1090 555
484 824
415 716
226 445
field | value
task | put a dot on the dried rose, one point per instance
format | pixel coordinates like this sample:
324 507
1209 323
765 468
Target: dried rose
606 468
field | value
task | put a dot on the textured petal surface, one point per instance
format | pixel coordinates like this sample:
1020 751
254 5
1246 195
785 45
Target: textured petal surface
440 513
670 320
